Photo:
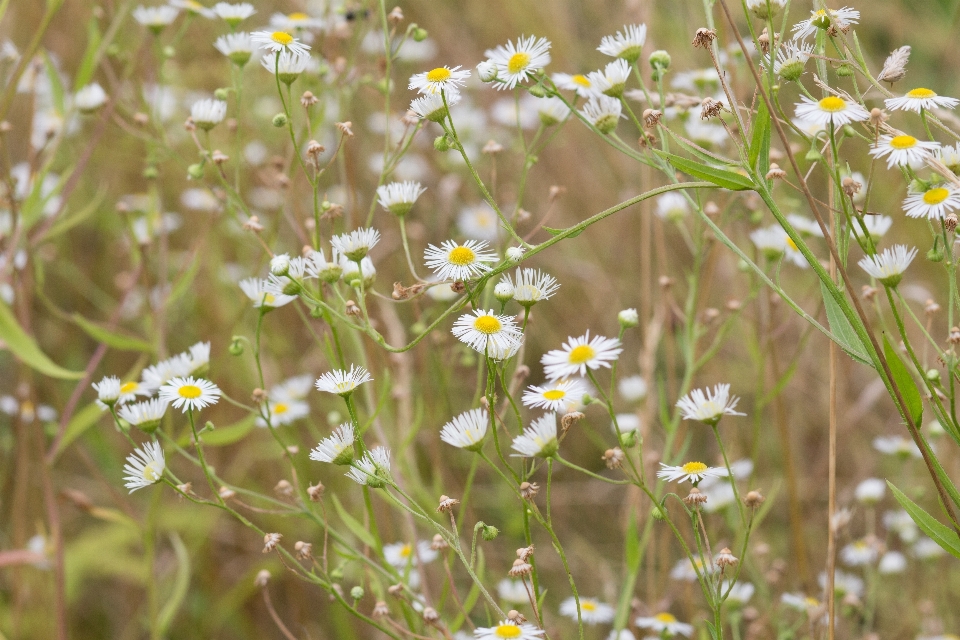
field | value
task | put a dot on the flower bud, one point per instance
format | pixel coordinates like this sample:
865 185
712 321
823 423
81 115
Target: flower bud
356 593
628 318
195 171
420 34
221 93
280 120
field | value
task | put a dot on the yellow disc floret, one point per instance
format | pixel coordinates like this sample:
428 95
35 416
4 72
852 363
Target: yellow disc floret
936 195
440 74
189 391
694 467
554 394
282 38
903 142
487 324
518 62
833 104
581 354
462 256
921 93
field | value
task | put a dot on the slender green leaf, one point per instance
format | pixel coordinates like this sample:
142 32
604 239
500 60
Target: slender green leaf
89 61
906 383
222 436
353 524
760 140
58 92
186 280
78 425
181 583
556 232
25 349
842 331
706 156
112 338
940 533
720 177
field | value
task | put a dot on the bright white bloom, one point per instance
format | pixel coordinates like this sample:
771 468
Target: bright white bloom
800 602
623 634
318 267
280 41
672 206
356 244
236 46
516 63
825 18
431 106
458 262
692 471
740 593
709 407
560 396
665 625
486 331
144 466
580 354
889 265
352 272
950 156
843 584
919 99
487 71
551 111
765 9
632 388
903 150
337 448
870 491
194 7
603 112
896 445
294 21
858 553
501 352
892 562
372 469
284 413
154 376
233 14
90 98
835 109
442 79
155 18
741 470
612 80
479 222
512 591
932 203
108 390
539 439
146 415
508 629
774 243
576 82
296 388
877 226
686 570
515 254
792 58
399 197
592 611
262 296
342 383
626 44
190 393
531 286
208 113
466 431
401 554
286 65
803 224
926 548
626 423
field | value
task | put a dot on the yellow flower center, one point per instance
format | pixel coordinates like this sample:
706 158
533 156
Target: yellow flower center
280 408
792 244
440 74
268 298
588 606
581 354
406 551
666 618
508 631
812 602
189 391
694 467
935 196
462 256
518 62
129 387
152 471
581 80
833 104
921 93
487 324
554 394
903 142
282 38
347 385
298 16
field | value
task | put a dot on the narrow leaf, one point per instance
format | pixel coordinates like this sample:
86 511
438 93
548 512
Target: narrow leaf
111 338
25 349
556 232
78 425
354 525
938 532
842 331
89 61
760 140
903 380
181 583
720 177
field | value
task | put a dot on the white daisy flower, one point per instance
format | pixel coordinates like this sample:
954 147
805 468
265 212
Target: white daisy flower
399 197
280 41
672 206
155 18
576 82
287 66
500 352
373 469
551 111
190 393
291 389
740 592
835 109
870 491
485 331
199 357
355 244
665 625
508 629
765 9
843 584
935 202
889 265
919 99
603 112
516 63
233 14
90 98
146 415
512 591
903 150
559 396
626 423
592 611
479 222
431 106
352 272
337 448
692 471
144 466
283 413
194 7
686 570
580 354
792 59
155 376
108 390
623 634
318 267
612 80
530 286
824 19
208 113
774 243
131 389
950 156
800 602
892 562
632 388
342 383
459 262
803 224
858 553
401 554
897 445
294 21
627 44
236 46
442 79
262 295
709 407
539 439
467 430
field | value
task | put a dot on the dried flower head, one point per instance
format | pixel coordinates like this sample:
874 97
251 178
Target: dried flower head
263 577
529 490
447 503
614 458
754 499
525 553
304 550
895 66
438 543
725 558
695 498
704 38
270 541
520 569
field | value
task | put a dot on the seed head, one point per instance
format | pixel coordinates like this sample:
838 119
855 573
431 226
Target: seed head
430 615
529 490
954 337
283 489
315 491
308 99
710 108
219 157
754 499
263 577
492 147
226 493
877 117
775 172
568 420
525 553
270 541
614 458
950 221
895 66
304 550
695 499
704 38
259 396
651 118
380 610
868 292
726 559
515 616
520 569
439 544
447 503
931 307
